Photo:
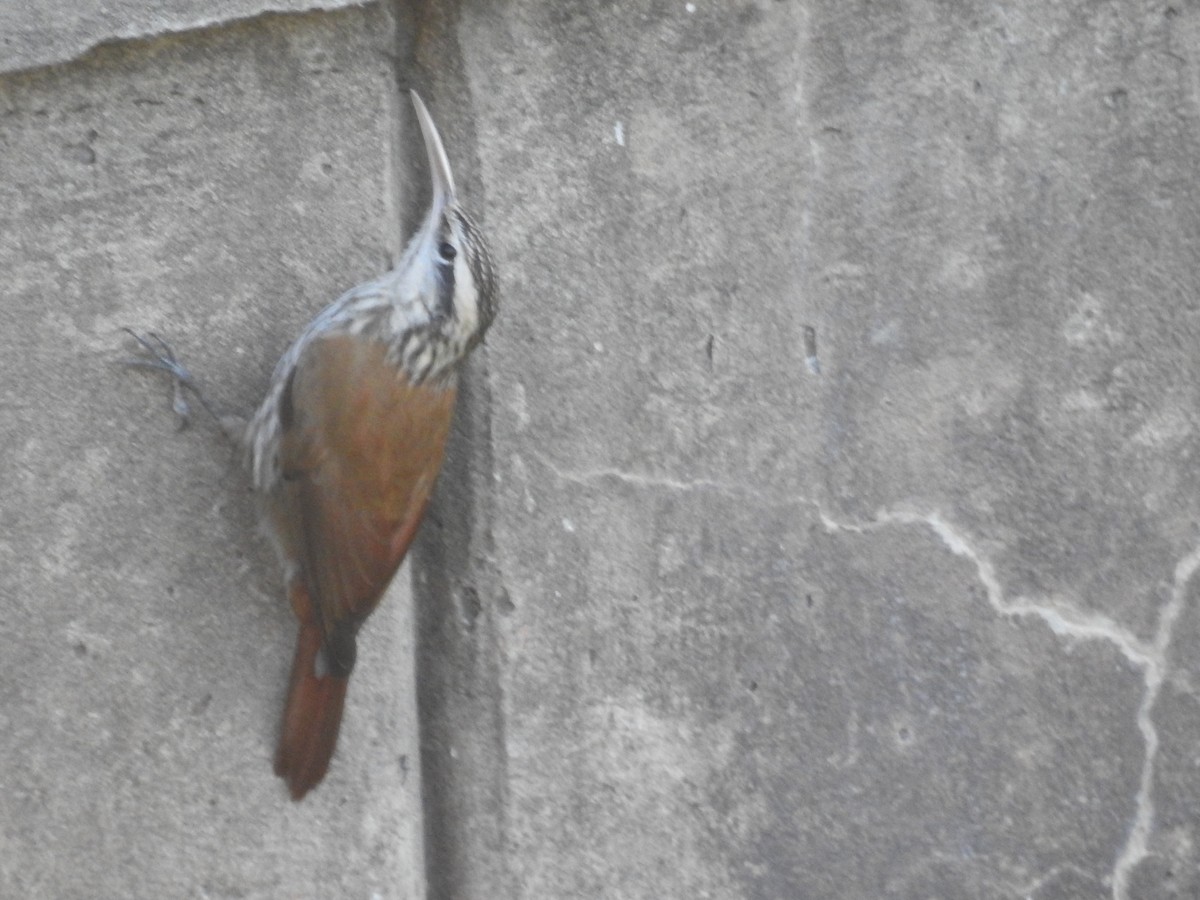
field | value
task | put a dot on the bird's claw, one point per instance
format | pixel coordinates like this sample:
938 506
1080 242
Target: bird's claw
163 359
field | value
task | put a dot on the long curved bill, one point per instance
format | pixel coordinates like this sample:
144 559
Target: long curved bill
439 163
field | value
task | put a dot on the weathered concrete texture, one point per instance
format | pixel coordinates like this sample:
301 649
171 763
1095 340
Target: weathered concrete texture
1172 870
38 33
913 627
697 621
218 187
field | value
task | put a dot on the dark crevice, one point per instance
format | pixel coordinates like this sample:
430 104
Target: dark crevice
459 702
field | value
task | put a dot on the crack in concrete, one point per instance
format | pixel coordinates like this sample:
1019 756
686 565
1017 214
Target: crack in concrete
1064 621
653 481
1137 846
1151 657
664 482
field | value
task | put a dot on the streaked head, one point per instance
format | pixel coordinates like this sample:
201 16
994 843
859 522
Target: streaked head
448 260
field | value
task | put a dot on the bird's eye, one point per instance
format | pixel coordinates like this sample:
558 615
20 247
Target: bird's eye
447 251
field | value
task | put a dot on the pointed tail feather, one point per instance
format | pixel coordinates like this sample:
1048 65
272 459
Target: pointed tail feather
311 718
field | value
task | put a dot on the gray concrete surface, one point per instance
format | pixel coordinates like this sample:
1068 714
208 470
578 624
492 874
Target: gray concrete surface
218 187
692 620
42 32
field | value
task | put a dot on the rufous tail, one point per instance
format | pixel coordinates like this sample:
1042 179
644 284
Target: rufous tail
311 718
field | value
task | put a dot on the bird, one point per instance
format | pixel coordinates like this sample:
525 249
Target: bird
347 445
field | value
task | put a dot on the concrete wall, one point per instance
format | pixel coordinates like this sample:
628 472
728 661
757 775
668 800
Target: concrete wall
692 616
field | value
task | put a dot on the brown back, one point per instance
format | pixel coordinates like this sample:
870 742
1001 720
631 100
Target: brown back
360 451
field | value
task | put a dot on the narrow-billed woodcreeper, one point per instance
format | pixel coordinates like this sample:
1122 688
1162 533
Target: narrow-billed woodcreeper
347 445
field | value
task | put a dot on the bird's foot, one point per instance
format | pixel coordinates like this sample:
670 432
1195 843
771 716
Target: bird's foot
161 357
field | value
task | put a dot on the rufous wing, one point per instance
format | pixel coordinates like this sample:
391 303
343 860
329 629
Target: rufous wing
360 451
